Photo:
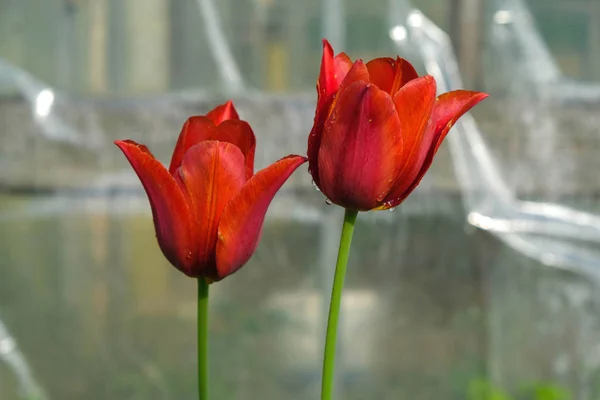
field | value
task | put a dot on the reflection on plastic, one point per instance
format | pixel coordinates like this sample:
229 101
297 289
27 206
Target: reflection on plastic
398 33
490 203
43 103
230 73
502 17
537 73
14 359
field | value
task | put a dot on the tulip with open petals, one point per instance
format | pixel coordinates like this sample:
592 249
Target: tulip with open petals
377 128
209 206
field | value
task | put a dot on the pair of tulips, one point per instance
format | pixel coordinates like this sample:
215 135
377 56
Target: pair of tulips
376 130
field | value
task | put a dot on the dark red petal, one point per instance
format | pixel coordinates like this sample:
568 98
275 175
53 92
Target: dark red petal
241 222
333 71
199 128
211 174
222 113
195 130
405 73
314 140
360 147
389 74
449 107
239 133
382 72
358 72
414 105
170 210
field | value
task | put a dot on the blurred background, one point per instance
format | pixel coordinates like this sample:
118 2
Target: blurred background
483 285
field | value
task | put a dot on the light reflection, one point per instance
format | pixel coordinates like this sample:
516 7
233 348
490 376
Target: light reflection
7 345
398 33
415 19
43 103
487 223
503 17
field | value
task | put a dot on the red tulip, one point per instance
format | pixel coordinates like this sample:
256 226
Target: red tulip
377 128
209 206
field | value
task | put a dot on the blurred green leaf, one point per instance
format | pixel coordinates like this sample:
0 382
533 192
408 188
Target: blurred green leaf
482 389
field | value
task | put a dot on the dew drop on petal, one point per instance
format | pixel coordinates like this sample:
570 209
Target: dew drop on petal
392 209
328 202
315 186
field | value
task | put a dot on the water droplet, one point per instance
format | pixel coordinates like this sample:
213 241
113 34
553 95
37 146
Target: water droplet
189 255
392 209
315 186
328 202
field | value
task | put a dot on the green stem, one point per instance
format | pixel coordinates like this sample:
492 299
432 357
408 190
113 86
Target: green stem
334 305
202 339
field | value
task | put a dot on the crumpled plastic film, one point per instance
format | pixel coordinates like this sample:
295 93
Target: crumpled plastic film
551 233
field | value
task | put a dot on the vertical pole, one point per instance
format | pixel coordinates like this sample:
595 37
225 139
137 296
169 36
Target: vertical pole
116 46
594 41
468 28
334 23
97 46
147 30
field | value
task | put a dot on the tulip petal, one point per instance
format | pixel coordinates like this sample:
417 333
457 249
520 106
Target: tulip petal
195 130
333 71
449 107
170 210
389 74
211 174
222 113
360 147
358 72
241 222
414 104
405 73
239 133
199 128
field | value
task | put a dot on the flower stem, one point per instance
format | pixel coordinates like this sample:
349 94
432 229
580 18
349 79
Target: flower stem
334 305
202 339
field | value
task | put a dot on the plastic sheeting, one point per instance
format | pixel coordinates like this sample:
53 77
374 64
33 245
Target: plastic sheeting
545 229
550 232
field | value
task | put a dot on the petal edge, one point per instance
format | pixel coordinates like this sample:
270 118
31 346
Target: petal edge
223 112
241 222
170 210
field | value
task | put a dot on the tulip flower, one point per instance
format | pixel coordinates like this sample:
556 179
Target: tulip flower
209 206
377 128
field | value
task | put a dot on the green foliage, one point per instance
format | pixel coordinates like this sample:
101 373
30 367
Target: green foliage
483 389
547 391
